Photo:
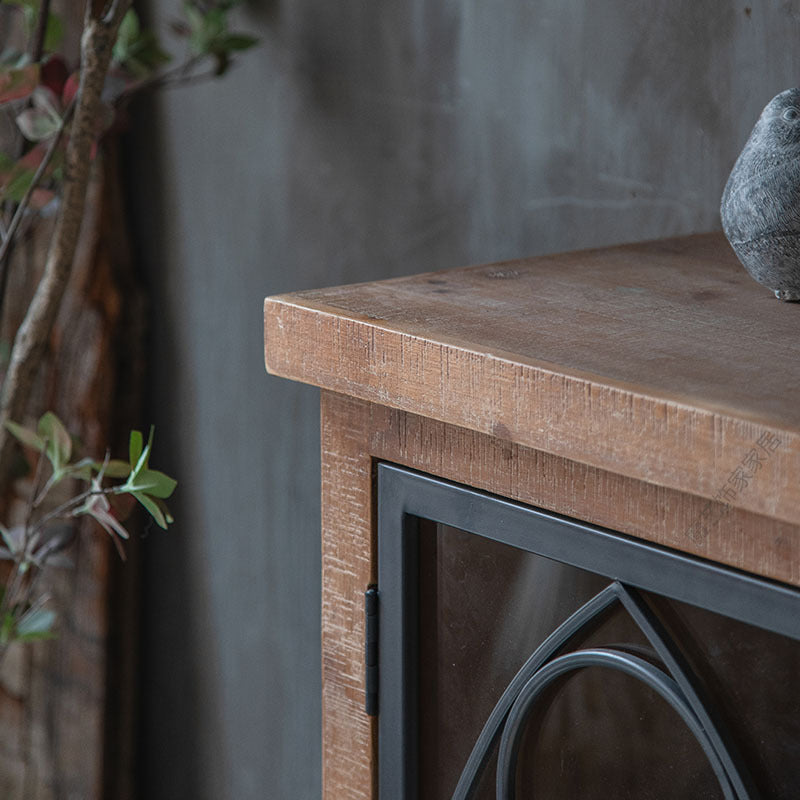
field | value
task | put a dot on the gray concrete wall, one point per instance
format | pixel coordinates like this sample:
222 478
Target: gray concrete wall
364 140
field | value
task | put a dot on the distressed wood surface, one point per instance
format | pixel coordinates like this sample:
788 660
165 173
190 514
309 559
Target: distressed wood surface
356 434
661 361
348 734
635 388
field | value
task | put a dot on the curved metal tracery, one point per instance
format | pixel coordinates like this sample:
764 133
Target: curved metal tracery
676 684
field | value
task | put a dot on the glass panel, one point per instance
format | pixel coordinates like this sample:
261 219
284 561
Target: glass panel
485 607
753 679
602 734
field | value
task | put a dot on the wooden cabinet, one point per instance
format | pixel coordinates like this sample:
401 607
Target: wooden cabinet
650 389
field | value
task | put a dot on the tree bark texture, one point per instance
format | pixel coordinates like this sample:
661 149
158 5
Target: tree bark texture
66 713
31 337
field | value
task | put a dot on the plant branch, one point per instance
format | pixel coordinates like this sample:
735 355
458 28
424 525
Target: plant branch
51 482
117 11
94 12
175 76
164 81
66 506
29 537
55 543
11 591
26 198
37 41
29 344
32 499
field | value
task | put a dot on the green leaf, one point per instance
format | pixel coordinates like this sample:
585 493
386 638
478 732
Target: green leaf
59 442
26 436
135 447
144 458
206 28
233 42
148 486
164 510
18 83
81 469
7 628
193 15
20 182
153 508
129 31
53 34
6 162
138 50
114 468
17 176
36 624
152 482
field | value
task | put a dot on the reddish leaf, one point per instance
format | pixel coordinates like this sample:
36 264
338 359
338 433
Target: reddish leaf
40 198
16 176
18 83
34 156
70 88
54 74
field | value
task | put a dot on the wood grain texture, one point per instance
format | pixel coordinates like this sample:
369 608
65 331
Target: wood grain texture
348 734
661 361
356 434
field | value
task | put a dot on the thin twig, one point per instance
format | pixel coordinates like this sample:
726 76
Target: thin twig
61 510
104 466
33 500
37 176
56 543
29 541
26 198
19 236
117 10
37 42
11 590
177 76
51 482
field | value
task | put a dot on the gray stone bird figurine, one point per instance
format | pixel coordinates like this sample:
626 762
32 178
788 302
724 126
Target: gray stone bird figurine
760 206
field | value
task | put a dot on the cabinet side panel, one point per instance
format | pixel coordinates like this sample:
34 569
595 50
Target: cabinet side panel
349 769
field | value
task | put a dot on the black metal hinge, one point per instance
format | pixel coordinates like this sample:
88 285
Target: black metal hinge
371 654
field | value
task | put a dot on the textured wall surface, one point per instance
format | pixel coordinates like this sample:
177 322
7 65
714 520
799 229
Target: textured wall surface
365 140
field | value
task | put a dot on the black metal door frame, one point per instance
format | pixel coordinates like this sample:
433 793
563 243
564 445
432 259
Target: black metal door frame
405 497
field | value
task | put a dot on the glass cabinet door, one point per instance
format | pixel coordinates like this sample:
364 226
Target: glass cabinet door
526 655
